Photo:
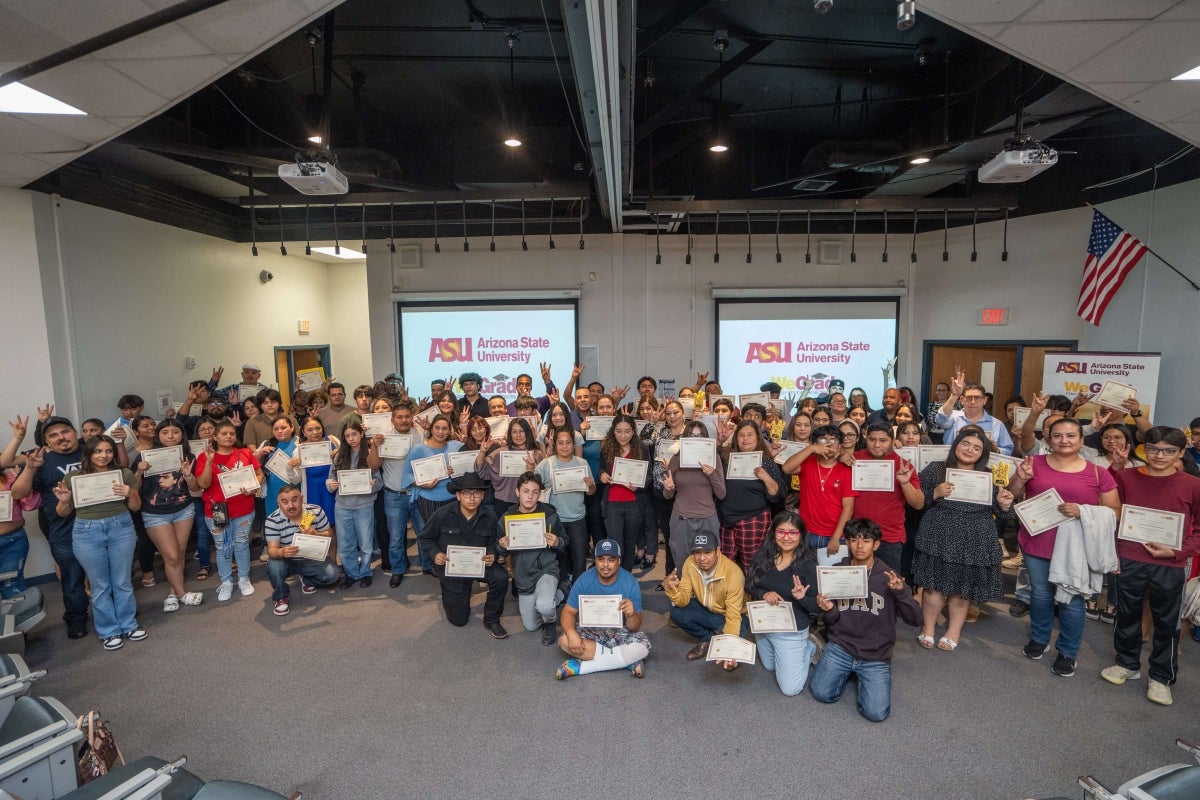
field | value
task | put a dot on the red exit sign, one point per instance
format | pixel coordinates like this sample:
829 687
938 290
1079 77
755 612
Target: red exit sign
993 316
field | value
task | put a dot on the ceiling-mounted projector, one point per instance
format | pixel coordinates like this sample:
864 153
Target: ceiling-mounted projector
1018 164
314 177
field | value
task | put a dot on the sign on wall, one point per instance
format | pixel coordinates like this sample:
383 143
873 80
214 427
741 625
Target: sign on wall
1072 373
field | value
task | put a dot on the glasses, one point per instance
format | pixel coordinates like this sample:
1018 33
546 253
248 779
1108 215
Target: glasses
1161 451
849 435
829 441
471 492
787 533
973 398
971 447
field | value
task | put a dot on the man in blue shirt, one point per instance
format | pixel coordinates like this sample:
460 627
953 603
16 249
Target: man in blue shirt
973 397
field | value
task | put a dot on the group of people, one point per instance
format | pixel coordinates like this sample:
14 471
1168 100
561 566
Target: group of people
746 498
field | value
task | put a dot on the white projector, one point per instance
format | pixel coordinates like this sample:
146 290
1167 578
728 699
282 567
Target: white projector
314 177
1017 166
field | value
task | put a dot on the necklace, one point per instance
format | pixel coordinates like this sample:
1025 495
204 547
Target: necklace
825 478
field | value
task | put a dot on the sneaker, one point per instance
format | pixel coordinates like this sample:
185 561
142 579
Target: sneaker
265 557
114 643
1159 693
1063 667
307 588
365 582
349 583
396 579
171 603
1091 610
1019 608
136 635
224 591
1035 650
637 669
282 607
1013 562
1109 614
244 587
549 633
497 630
192 599
77 630
1116 674
569 669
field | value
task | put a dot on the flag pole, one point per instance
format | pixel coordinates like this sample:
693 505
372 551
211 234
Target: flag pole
1149 250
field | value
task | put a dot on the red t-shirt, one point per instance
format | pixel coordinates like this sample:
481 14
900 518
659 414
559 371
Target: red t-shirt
1178 493
822 490
885 509
239 505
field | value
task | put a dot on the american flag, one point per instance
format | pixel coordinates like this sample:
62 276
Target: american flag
1112 253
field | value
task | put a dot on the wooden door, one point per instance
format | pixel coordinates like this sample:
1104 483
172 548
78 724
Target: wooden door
995 366
1033 359
288 361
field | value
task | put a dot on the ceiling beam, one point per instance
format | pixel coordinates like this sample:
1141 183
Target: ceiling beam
559 191
990 202
658 30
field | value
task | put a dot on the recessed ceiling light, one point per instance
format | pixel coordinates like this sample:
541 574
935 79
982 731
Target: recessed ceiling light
920 160
719 148
512 141
1192 74
16 98
348 253
315 139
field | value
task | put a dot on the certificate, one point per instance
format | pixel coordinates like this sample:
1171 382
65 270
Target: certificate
762 398
277 464
163 459
314 454
311 546
787 449
1138 524
713 398
425 418
525 531
780 406
395 446
694 451
640 425
463 461
742 466
842 583
910 454
234 481
354 481
377 423
730 648
600 611
1003 468
665 449
929 453
570 479
1020 414
1113 395
121 424
6 507
498 426
197 446
766 618
309 379
629 470
464 562
95 488
598 428
709 421
1039 514
432 468
970 486
247 391
874 475
512 463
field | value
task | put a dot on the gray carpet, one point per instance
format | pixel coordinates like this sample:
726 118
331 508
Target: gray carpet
371 694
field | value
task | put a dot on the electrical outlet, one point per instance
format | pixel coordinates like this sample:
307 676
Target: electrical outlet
189 362
592 277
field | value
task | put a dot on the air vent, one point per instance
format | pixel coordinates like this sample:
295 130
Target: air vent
829 252
812 186
408 256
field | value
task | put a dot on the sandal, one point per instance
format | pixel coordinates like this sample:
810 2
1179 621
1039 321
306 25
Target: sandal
203 573
148 581
925 641
637 669
947 644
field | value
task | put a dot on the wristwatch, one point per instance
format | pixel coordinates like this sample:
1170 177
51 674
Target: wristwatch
1135 414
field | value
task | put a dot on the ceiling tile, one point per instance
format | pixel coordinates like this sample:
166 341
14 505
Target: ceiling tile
1188 131
1164 102
169 41
20 136
1064 45
1157 51
22 41
246 26
91 86
85 129
989 30
77 20
1118 91
967 12
1188 9
17 170
172 77
1062 10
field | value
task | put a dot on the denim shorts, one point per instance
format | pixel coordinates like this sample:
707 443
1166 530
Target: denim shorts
184 514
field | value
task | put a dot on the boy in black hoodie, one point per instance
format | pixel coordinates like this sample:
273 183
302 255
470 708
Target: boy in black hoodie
862 632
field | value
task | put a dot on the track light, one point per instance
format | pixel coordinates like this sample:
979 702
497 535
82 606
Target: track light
551 223
945 234
974 250
885 253
717 240
437 246
906 14
282 247
307 238
822 6
688 258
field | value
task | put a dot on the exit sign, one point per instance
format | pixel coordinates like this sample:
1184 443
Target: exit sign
993 316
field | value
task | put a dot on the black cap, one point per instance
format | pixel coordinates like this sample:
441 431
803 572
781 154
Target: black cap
52 421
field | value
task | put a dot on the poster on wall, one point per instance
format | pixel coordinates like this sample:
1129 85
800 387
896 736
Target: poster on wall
1072 373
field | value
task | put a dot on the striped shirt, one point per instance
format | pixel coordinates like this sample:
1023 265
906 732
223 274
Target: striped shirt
280 529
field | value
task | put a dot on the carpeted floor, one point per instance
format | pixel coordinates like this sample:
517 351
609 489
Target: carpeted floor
369 693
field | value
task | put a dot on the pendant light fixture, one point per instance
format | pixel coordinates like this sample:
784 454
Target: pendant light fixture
512 132
718 142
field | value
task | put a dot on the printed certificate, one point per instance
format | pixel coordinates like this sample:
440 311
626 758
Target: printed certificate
874 475
970 486
463 461
312 546
498 426
730 648
197 446
464 562
425 418
1113 395
377 423
713 398
787 449
629 470
766 618
640 425
569 479
354 481
665 449
742 466
234 481
709 421
910 454
929 453
525 531
395 446
762 398
314 454
842 583
1138 524
511 463
163 459
247 391
6 507
694 451
598 428
432 468
95 488
1039 514
780 406
600 611
1020 414
277 464
310 379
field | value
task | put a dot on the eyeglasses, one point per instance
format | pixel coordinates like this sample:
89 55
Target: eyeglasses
1161 451
972 398
849 435
829 441
471 492
787 533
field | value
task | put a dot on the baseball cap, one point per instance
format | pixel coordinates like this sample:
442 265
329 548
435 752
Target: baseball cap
608 547
52 421
703 541
837 385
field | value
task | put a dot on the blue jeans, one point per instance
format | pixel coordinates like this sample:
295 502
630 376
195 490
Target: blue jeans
356 539
75 599
816 542
14 547
314 573
874 681
104 547
233 541
415 515
698 622
400 508
204 538
1041 610
789 656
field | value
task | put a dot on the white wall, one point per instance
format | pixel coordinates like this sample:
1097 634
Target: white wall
349 335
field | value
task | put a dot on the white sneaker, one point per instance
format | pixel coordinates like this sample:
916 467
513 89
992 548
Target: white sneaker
265 557
1159 693
225 591
192 599
1117 674
244 587
1013 562
171 603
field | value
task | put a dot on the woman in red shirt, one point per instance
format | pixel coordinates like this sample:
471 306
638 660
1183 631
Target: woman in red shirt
228 518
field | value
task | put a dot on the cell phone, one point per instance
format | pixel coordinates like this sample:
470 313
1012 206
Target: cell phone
220 515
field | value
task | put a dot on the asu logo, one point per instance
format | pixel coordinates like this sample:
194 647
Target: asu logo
768 352
1074 367
458 349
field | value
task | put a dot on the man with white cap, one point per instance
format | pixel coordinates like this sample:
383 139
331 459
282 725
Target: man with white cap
250 377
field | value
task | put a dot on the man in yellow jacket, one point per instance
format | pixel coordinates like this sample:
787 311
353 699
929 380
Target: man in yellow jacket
709 599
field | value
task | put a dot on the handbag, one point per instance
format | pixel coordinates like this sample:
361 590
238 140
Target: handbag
99 752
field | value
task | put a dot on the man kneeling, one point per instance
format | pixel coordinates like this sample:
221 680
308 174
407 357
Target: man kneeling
597 649
535 570
294 516
710 597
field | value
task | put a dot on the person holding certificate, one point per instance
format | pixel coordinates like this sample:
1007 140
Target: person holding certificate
228 517
1153 569
957 553
466 523
397 495
355 506
888 487
568 492
431 494
620 644
619 504
826 488
862 633
695 492
745 510
315 450
972 413
536 568
709 598
559 416
666 443
101 494
519 455
282 441
604 406
783 573
14 542
1079 483
298 539
477 439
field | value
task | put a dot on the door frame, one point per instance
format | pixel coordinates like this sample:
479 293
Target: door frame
286 380
1020 344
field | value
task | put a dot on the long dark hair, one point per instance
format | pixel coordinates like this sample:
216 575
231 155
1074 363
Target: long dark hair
89 447
530 442
764 560
610 449
173 423
975 432
732 446
342 459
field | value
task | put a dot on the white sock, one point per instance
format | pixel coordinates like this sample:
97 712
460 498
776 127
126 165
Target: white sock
619 658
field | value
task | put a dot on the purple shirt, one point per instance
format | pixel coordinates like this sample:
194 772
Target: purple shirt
1083 488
